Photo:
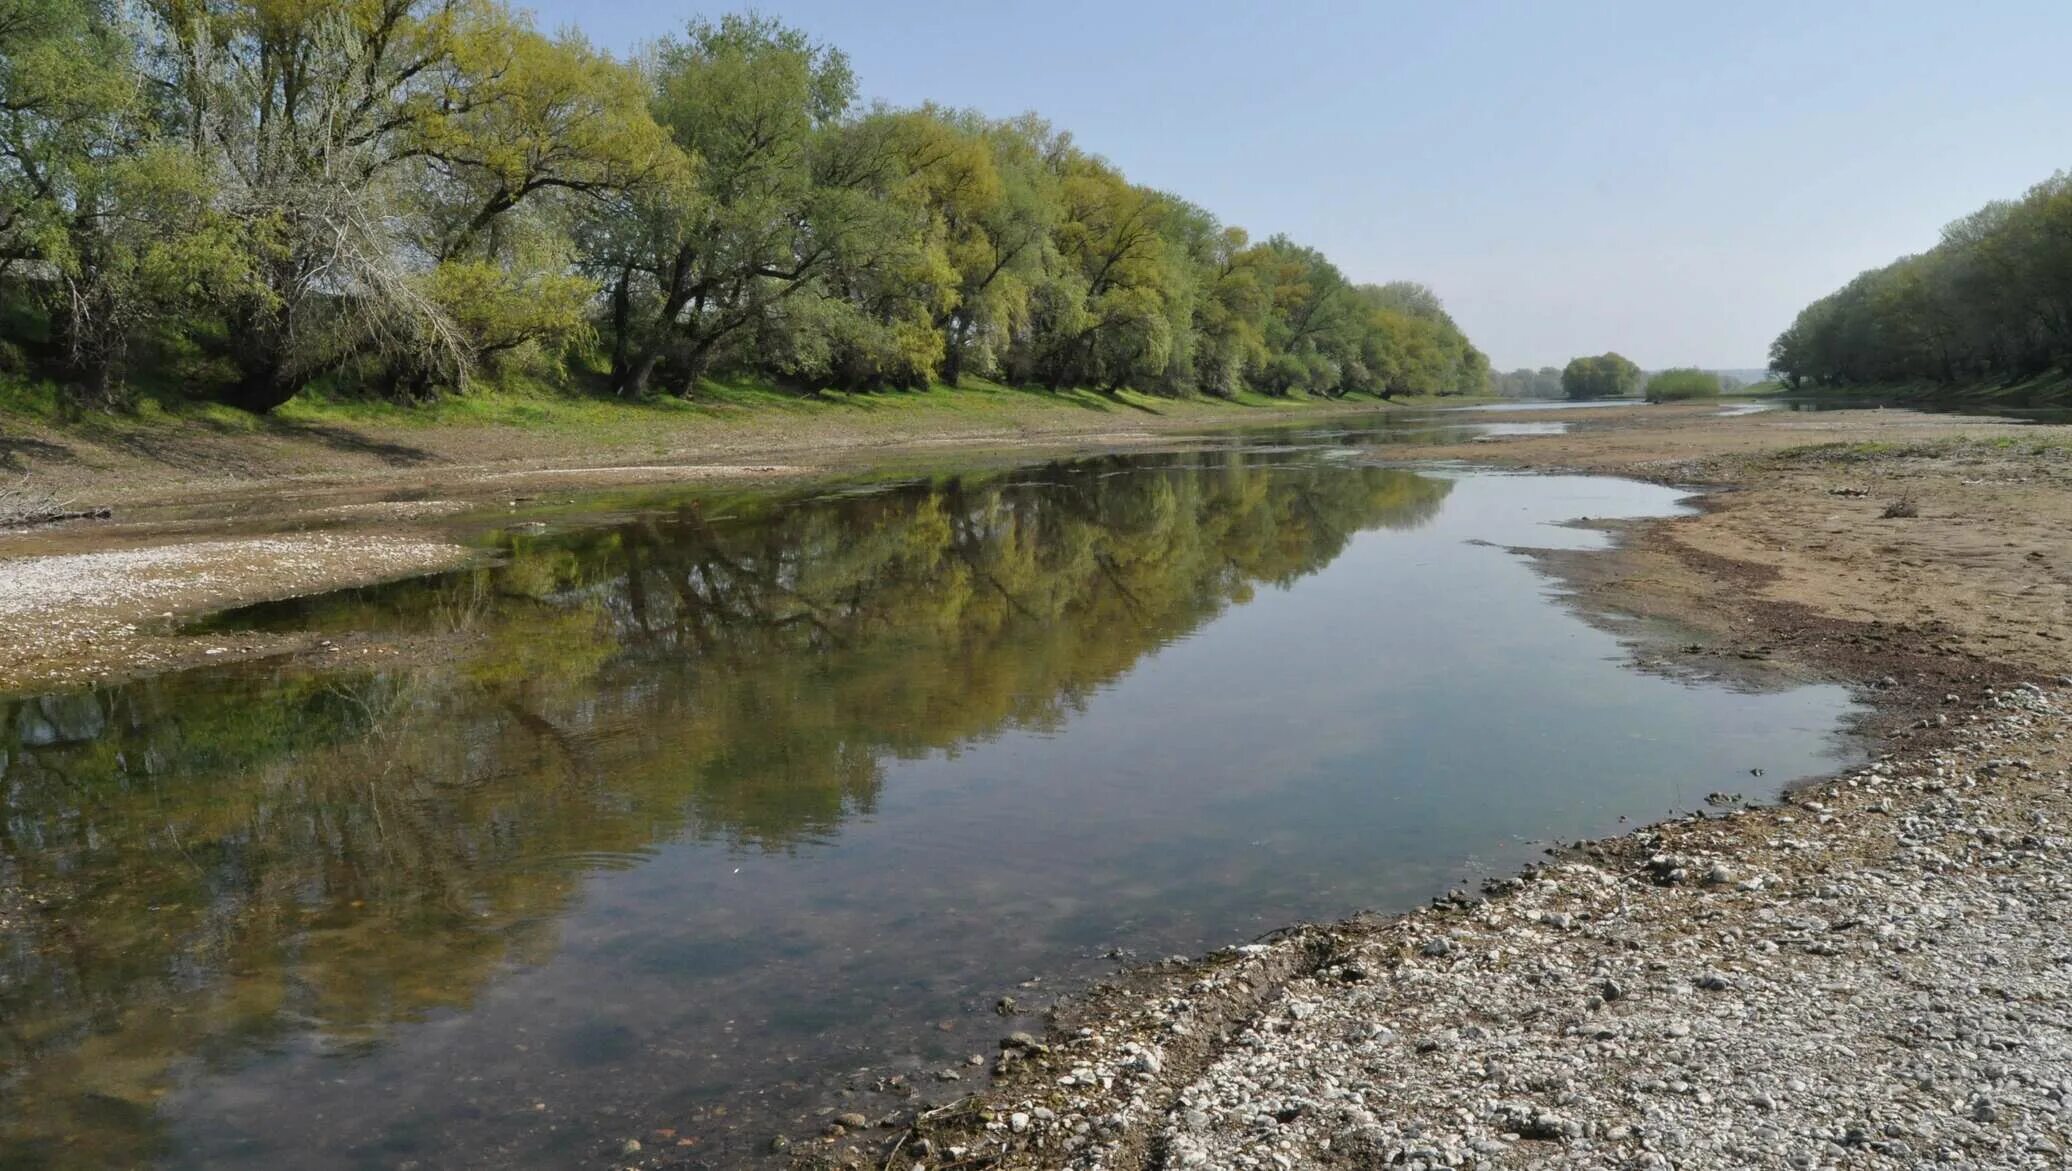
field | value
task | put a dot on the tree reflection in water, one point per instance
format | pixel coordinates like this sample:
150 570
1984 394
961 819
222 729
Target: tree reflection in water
201 864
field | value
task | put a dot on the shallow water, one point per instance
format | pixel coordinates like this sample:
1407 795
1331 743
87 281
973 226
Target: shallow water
1547 404
683 814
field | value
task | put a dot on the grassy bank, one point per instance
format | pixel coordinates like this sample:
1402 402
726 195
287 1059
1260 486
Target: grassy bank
2049 390
160 448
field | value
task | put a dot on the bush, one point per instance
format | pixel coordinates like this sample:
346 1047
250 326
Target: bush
1676 385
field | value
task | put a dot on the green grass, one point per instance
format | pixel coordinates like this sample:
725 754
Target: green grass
1756 390
755 411
538 405
2048 390
2053 445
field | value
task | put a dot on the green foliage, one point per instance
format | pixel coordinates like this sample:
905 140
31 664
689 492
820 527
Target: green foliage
1544 382
1607 375
1682 383
1991 302
389 198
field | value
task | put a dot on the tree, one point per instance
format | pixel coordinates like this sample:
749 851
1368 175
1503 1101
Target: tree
756 104
1992 300
537 134
1607 375
396 197
109 225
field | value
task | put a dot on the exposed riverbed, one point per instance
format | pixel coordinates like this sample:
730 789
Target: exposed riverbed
683 818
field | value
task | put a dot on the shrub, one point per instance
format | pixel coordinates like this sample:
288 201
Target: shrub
1686 383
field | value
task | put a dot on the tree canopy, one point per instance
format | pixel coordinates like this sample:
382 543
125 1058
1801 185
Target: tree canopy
401 197
1992 301
1525 382
1607 375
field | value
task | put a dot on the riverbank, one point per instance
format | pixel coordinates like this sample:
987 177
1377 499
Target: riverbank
210 509
2045 391
1869 972
1794 565
153 462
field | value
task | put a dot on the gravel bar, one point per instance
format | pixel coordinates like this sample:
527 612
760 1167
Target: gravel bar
1876 972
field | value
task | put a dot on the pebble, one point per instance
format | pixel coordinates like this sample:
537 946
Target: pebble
1847 991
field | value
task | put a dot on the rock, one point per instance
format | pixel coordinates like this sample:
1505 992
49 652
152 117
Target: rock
853 1120
630 1147
779 1145
1926 1034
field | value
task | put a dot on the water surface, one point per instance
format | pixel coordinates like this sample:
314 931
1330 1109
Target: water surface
692 814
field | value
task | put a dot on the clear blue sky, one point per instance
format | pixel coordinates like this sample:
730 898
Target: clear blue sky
1668 179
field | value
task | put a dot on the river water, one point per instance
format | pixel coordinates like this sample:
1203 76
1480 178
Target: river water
683 819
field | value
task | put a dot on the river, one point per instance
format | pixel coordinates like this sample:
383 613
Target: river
691 818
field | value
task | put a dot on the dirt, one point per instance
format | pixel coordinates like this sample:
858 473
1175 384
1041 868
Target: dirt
185 467
1792 557
1792 561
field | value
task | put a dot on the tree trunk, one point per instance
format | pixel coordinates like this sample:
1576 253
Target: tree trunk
953 361
630 374
622 322
260 390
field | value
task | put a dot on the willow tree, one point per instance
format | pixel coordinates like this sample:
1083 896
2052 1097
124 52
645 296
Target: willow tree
693 264
1608 375
374 153
532 135
1103 315
105 226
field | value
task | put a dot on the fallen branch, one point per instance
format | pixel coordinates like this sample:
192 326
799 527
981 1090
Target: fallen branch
23 504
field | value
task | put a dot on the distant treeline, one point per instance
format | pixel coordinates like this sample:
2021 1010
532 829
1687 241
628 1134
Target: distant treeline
1524 382
1612 375
1992 301
396 197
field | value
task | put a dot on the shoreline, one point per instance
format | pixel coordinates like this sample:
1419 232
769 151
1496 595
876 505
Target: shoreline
95 600
1788 565
1572 1015
204 467
379 520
